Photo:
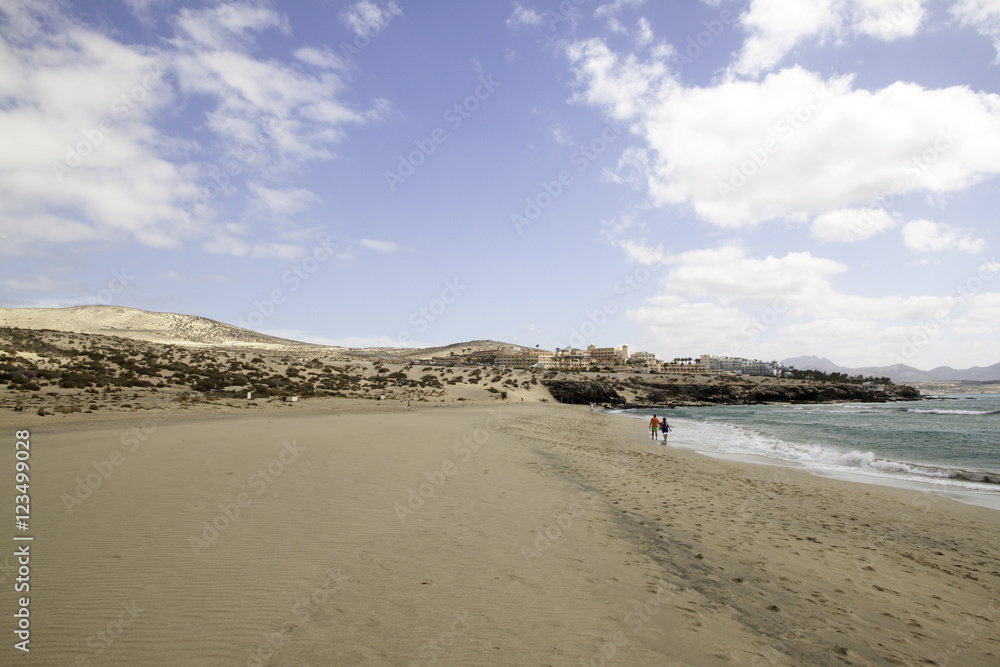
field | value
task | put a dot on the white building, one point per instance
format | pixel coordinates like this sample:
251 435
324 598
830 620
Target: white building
740 366
645 358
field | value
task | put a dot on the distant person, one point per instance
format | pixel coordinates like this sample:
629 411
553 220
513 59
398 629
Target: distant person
654 426
664 428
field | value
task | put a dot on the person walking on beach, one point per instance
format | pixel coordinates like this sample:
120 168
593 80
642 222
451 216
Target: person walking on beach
664 428
654 425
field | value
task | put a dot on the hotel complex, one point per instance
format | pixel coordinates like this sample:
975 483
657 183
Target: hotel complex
571 358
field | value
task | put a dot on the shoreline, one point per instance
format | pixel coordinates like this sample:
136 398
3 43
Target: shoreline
987 496
521 534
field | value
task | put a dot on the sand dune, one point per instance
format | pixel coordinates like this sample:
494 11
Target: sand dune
172 328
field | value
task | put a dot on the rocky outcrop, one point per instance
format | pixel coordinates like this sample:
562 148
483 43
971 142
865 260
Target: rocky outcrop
583 392
657 393
722 393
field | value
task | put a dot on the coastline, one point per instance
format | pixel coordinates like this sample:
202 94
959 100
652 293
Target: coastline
513 534
982 495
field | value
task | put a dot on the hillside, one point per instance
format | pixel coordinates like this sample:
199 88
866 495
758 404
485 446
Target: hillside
196 331
45 372
168 328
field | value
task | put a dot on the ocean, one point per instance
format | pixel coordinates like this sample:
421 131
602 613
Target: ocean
949 445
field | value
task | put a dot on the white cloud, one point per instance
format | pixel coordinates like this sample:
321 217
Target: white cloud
624 86
610 12
92 153
775 27
381 111
367 18
228 26
143 8
561 135
252 96
82 158
984 16
642 253
887 20
722 301
728 275
284 201
643 32
730 151
380 246
847 225
320 58
928 236
524 16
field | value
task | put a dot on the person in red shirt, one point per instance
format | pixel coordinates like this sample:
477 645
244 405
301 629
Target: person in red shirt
654 426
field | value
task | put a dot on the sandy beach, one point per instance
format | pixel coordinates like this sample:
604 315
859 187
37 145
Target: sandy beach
340 532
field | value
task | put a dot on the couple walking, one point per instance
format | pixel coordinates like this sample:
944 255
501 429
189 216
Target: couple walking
656 425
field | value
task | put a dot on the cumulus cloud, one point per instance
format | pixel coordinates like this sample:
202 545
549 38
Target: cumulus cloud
792 144
983 16
775 27
927 236
724 301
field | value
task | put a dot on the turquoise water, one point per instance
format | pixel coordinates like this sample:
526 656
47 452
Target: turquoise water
951 443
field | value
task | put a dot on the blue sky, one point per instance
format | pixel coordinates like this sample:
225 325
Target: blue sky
758 178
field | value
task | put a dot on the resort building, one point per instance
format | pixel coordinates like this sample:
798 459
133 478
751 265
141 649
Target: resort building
724 364
740 366
645 358
483 356
608 356
511 356
683 366
570 358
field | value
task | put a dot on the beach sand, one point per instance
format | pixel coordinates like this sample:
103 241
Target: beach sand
338 532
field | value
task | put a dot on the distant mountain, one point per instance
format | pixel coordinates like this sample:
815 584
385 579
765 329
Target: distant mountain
899 372
813 363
